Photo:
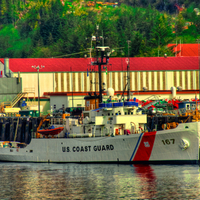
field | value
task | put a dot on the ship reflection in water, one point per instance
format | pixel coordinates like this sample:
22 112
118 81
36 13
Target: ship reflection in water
98 181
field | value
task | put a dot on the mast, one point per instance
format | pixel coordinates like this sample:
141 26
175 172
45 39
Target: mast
128 81
101 60
128 73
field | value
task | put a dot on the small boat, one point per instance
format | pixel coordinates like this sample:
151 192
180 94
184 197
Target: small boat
51 131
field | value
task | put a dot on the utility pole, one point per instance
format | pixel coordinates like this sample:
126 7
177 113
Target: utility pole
199 65
38 70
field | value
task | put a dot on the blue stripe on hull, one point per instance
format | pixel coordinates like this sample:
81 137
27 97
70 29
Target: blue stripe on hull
136 146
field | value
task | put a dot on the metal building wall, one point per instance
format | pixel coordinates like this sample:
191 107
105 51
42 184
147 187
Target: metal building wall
9 88
30 83
153 80
80 82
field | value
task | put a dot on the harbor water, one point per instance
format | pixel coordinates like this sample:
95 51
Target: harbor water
98 181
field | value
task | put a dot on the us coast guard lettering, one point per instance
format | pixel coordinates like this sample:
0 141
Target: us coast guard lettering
88 148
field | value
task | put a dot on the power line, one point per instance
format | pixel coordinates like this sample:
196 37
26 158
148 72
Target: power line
66 55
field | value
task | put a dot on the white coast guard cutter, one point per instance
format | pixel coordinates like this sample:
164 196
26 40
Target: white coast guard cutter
114 132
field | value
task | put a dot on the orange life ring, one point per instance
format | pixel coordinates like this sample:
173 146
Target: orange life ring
168 126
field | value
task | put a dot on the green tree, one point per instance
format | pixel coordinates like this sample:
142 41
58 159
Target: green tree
161 33
180 24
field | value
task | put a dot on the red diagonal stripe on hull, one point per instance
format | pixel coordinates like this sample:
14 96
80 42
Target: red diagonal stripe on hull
145 148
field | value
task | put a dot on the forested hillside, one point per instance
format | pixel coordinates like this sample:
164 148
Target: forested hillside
170 6
59 28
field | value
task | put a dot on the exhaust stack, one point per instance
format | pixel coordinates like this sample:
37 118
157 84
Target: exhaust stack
7 71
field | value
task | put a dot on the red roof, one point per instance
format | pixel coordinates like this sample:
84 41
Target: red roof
115 64
185 49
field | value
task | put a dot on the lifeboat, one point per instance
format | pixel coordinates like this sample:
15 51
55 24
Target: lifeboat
50 131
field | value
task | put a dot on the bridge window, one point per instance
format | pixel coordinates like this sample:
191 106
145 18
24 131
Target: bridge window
187 106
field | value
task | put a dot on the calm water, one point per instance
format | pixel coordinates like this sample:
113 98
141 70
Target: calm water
98 181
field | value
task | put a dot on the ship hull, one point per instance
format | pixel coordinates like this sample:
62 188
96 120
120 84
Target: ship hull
179 145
